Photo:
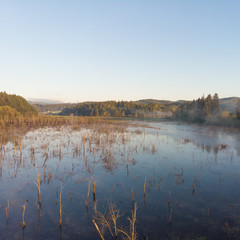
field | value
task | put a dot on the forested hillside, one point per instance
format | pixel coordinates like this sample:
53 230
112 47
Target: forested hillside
229 104
14 109
121 109
17 104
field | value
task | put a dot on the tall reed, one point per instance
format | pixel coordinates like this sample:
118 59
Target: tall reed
23 213
96 226
38 184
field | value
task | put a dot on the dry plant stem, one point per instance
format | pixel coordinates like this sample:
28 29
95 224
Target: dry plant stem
38 184
45 152
132 196
86 201
107 223
94 186
60 207
95 209
60 151
96 226
193 187
7 211
20 146
23 213
144 188
114 215
133 234
132 223
169 195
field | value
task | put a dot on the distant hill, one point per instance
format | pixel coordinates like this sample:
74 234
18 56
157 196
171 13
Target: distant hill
229 104
154 101
42 101
161 102
16 104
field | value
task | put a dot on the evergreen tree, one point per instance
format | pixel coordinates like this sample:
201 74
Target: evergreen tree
215 104
208 106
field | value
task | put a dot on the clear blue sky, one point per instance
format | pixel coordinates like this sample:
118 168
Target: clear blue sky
119 49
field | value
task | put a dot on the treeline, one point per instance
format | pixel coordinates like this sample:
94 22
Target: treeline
207 110
16 111
121 109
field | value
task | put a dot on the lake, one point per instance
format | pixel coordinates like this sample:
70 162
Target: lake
182 182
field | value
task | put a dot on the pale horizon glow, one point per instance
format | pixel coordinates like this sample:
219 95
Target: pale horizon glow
78 51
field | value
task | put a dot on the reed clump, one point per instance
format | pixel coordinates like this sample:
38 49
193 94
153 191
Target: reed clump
110 222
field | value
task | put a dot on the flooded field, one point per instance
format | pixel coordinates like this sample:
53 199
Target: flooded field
134 180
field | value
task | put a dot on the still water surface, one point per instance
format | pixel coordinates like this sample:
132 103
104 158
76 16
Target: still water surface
192 188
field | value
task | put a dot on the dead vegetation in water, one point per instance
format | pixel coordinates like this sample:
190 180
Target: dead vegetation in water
38 184
100 146
108 224
23 214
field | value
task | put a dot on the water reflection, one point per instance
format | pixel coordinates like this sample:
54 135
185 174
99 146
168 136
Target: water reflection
184 179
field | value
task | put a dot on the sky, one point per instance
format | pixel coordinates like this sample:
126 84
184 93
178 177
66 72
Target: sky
78 50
